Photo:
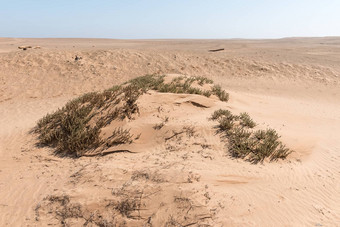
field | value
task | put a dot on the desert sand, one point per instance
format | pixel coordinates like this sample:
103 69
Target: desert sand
291 85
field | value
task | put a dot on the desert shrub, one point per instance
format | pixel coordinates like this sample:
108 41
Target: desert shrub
203 80
221 94
254 146
131 94
268 145
199 79
240 144
119 136
148 82
280 153
183 85
221 113
126 206
61 208
114 88
75 128
69 129
140 175
161 125
206 93
246 121
225 123
158 126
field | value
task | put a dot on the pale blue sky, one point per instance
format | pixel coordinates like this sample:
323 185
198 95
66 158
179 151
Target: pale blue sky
145 19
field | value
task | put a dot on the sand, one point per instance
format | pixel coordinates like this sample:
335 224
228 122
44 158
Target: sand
291 85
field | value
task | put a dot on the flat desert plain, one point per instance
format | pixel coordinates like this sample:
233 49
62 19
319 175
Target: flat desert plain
291 85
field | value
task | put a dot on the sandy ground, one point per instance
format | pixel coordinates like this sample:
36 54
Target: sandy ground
291 85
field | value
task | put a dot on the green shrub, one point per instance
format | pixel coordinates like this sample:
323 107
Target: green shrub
148 82
226 123
240 144
254 146
221 113
221 94
183 85
69 129
119 136
201 80
246 121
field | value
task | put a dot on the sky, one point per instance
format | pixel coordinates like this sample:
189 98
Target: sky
169 19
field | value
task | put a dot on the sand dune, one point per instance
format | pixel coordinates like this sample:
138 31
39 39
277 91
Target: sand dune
291 85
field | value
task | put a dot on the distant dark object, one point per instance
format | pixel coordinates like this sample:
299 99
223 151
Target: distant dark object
77 58
24 47
215 50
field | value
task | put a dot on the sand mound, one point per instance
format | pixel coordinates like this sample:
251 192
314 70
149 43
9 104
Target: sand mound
152 109
96 122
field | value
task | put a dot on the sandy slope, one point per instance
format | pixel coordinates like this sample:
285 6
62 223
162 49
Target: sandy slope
291 85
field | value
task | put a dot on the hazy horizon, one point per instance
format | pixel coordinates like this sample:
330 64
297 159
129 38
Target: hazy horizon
151 19
297 37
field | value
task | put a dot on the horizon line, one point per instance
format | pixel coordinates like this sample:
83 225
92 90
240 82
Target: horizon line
264 38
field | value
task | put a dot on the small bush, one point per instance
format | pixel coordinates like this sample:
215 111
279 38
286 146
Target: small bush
148 82
221 94
221 113
240 144
119 136
203 80
246 121
69 129
206 93
127 206
161 125
254 146
225 123
183 85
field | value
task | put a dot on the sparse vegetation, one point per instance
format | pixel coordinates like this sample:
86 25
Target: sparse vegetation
161 125
148 82
221 94
246 121
188 130
127 206
225 123
184 85
75 129
65 212
254 146
119 136
221 113
62 209
140 175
